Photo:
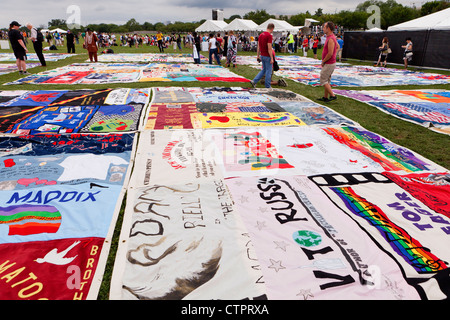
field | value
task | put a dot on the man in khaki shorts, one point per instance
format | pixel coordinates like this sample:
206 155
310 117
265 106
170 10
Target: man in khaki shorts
328 61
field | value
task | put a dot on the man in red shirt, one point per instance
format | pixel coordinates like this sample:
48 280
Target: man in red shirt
265 55
328 61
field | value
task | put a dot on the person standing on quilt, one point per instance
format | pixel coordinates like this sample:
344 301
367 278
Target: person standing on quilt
212 48
265 55
19 48
231 49
37 38
90 44
328 61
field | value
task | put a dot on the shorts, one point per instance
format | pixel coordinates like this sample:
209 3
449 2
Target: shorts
20 55
383 57
326 72
315 50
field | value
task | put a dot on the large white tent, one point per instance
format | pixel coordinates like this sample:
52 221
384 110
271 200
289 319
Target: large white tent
436 21
212 26
57 30
241 25
375 29
280 26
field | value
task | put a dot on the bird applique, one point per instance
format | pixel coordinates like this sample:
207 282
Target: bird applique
58 258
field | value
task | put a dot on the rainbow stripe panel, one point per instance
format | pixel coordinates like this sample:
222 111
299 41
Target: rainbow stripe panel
422 260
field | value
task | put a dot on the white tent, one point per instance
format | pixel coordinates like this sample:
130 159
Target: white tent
374 30
241 25
280 26
436 21
309 21
212 26
59 30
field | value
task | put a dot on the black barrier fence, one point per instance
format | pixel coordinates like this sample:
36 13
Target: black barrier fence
431 48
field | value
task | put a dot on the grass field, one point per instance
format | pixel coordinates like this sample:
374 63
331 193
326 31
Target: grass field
429 144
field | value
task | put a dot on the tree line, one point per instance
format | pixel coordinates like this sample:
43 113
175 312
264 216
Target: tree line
391 13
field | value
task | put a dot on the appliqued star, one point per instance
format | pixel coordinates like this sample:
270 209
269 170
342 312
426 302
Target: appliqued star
260 225
244 199
276 265
305 293
253 190
281 244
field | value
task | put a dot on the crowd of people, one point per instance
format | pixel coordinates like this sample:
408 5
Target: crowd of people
218 46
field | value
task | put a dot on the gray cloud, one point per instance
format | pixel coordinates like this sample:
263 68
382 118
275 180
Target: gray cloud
120 11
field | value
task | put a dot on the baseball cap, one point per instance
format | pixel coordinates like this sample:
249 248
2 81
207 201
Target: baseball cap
14 23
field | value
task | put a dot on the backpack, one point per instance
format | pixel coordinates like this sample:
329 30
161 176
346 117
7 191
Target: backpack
40 36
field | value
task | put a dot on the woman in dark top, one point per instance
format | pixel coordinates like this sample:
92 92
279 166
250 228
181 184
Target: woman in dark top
384 51
196 48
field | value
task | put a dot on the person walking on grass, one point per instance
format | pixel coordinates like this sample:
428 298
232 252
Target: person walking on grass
328 61
212 48
408 54
265 55
384 51
19 48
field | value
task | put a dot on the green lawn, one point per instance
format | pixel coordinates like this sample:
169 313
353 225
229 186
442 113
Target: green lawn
429 144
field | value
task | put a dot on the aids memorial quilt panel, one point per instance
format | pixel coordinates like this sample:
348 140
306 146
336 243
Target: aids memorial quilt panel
390 156
431 188
413 234
104 73
148 57
170 156
59 201
311 150
188 72
427 107
12 67
184 241
361 76
86 73
224 107
312 113
33 56
95 111
308 249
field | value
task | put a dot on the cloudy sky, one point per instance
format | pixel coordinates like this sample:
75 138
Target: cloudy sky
39 12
